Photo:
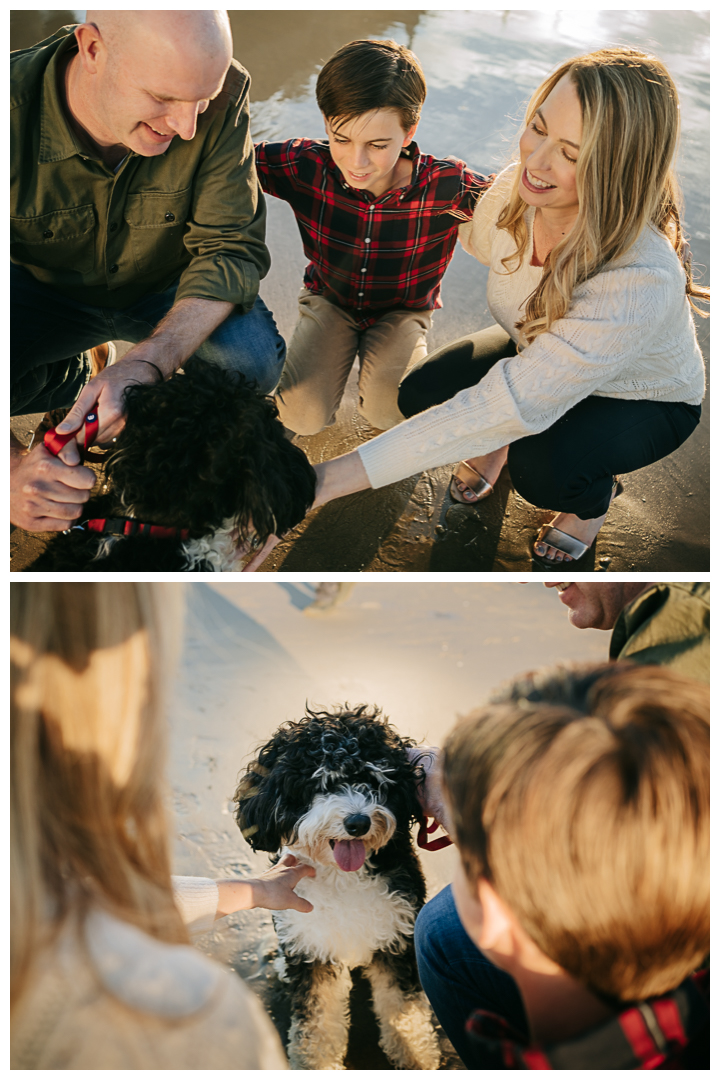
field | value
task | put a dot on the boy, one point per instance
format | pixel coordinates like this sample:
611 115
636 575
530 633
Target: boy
580 807
379 222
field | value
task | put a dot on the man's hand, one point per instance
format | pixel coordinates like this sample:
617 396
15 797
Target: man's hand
429 791
188 323
274 889
106 393
46 494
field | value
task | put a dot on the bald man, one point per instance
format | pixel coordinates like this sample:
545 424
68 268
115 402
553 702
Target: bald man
136 214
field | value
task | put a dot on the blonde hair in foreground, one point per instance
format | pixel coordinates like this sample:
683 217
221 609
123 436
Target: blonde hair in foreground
625 177
585 801
87 819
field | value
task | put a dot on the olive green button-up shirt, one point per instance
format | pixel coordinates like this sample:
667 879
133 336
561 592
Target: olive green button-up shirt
668 624
109 238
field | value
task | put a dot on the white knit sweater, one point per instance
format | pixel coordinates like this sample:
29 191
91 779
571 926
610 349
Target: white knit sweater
196 898
108 996
628 333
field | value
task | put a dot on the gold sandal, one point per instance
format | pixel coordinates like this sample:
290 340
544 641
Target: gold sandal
564 542
473 480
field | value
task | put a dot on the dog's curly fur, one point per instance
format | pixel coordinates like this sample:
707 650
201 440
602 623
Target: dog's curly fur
326 785
204 452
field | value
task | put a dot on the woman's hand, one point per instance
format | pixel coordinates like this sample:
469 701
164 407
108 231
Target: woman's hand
260 556
339 476
274 889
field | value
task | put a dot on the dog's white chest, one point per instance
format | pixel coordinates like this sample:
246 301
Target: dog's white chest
353 915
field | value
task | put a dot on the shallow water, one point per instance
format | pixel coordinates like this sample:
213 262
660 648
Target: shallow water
481 67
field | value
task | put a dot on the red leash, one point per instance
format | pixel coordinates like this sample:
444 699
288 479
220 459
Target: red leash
54 442
431 845
132 527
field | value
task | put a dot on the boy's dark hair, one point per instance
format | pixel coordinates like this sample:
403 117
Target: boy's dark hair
582 794
366 75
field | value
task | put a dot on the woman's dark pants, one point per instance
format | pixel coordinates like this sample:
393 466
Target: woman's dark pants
569 467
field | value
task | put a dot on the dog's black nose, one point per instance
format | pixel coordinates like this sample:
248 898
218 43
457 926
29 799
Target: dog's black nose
357 824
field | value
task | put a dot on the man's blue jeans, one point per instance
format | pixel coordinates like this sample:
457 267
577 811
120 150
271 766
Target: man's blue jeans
458 979
49 333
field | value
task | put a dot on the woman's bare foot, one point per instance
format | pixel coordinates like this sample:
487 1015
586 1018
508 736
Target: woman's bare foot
583 529
489 466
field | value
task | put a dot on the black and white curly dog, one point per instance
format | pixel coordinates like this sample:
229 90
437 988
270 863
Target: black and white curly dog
202 456
337 790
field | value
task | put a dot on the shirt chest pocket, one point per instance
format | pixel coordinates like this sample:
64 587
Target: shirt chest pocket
61 240
156 221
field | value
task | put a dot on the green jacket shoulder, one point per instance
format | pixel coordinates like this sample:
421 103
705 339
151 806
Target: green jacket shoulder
669 624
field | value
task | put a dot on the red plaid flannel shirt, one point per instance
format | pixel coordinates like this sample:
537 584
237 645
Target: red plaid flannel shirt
668 1032
371 255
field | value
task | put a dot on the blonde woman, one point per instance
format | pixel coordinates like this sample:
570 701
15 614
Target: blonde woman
593 366
103 975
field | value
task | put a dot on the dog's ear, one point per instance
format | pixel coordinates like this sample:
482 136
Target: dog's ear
256 813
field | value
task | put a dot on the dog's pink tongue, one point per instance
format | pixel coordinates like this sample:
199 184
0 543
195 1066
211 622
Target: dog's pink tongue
349 854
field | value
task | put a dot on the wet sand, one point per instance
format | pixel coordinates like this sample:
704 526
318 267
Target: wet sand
480 66
425 653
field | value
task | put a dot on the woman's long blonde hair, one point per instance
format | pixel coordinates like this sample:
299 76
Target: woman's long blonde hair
625 177
88 824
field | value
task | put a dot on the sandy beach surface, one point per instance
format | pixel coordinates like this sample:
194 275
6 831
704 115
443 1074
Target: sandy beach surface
253 657
481 66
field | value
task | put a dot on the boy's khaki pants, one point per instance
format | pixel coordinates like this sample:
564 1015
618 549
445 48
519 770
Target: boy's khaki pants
321 355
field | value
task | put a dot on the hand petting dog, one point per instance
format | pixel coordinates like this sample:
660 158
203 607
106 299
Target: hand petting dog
274 890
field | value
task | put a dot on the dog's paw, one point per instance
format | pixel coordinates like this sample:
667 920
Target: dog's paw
407 1035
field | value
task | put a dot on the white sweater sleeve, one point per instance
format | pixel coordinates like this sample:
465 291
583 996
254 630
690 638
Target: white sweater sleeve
197 900
476 236
607 327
